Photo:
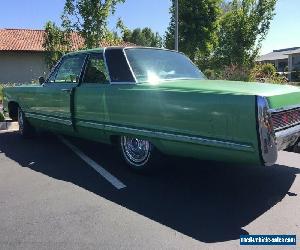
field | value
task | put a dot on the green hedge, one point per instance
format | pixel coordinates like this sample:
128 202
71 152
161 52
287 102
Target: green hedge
1 117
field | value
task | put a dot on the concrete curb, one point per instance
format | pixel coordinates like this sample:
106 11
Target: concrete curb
8 125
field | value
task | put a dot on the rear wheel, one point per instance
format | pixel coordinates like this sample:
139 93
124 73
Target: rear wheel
25 129
140 155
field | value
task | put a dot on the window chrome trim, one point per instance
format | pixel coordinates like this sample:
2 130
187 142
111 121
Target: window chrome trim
145 47
167 136
53 71
266 134
131 70
105 62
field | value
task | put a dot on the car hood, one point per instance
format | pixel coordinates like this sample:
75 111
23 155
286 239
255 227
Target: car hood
278 95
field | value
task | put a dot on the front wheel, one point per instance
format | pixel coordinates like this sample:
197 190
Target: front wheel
25 129
140 155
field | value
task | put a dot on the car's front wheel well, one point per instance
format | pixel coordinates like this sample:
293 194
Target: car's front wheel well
114 139
13 110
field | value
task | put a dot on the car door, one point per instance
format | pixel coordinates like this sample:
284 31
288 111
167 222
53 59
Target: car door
90 110
55 98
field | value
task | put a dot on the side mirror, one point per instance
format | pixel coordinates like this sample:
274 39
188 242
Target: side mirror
41 80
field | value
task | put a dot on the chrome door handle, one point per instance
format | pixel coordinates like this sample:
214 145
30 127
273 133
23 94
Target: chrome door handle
66 90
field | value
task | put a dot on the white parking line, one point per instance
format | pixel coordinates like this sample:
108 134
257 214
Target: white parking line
105 174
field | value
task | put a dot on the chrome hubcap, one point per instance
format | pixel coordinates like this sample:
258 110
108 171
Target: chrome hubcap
135 150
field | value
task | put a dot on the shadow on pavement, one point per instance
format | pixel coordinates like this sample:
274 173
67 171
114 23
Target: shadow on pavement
210 202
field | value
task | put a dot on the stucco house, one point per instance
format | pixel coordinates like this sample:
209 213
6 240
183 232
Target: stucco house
278 57
283 59
294 60
22 56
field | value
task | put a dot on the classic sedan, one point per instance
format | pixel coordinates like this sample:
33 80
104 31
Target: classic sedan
150 101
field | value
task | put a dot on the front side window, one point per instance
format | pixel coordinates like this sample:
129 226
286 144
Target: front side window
154 65
69 70
96 71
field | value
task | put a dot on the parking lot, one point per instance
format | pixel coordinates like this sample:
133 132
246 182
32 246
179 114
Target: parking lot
50 198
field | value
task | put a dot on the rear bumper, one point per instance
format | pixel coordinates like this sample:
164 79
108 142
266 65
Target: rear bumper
287 137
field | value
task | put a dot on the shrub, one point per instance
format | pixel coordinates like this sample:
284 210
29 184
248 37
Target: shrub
210 74
286 69
268 70
1 117
267 73
235 73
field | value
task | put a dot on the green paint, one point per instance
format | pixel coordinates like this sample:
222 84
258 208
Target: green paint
213 120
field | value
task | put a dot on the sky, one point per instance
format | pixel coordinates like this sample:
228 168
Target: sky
284 31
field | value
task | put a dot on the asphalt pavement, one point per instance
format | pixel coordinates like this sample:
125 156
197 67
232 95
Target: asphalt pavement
50 198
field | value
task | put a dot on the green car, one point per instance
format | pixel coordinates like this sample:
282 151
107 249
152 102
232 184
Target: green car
152 101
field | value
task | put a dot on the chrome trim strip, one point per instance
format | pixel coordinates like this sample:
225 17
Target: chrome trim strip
131 70
288 108
145 47
90 125
49 118
168 136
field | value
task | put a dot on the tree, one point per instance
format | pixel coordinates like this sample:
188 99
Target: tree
243 26
143 37
198 23
89 19
56 43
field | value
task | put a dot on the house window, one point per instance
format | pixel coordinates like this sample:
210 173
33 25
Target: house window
296 63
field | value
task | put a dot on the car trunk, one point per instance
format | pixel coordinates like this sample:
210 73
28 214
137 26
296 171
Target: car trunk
278 96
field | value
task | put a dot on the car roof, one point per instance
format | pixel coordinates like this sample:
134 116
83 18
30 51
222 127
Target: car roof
101 49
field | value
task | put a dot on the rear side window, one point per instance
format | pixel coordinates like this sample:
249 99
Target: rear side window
118 67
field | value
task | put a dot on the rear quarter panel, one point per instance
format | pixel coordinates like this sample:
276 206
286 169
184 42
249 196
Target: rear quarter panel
223 117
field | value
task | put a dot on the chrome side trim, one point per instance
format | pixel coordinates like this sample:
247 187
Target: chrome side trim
266 133
49 118
168 136
90 125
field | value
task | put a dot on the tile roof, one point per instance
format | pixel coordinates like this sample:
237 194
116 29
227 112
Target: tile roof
278 54
32 40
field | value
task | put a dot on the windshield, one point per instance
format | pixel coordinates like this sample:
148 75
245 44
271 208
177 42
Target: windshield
154 65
